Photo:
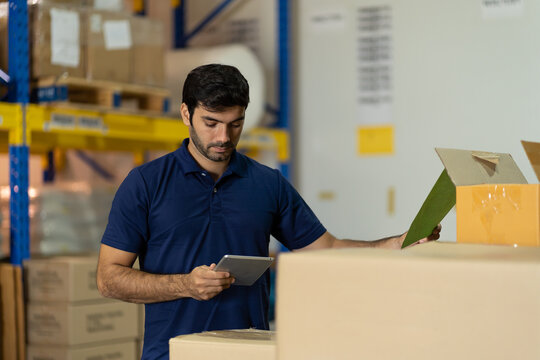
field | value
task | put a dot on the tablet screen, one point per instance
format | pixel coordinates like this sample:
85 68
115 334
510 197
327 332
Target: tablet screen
245 269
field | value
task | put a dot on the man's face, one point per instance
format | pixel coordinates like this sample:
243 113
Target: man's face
215 134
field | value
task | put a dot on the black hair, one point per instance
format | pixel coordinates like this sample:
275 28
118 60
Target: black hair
215 87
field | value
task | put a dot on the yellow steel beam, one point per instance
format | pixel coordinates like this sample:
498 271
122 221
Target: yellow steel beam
85 129
11 121
265 138
51 127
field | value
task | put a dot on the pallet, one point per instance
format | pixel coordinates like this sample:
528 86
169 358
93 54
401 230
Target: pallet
102 95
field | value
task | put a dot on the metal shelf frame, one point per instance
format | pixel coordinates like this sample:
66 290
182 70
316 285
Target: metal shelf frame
38 128
19 73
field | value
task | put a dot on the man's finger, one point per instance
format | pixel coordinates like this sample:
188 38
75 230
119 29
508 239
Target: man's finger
220 282
217 275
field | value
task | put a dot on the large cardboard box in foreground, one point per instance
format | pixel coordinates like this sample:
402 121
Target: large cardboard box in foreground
125 350
81 323
62 278
224 345
441 301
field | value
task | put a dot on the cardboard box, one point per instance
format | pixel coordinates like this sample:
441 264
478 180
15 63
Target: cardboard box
4 37
118 351
148 51
62 278
506 214
225 345
494 203
442 301
109 52
532 149
57 40
80 323
12 331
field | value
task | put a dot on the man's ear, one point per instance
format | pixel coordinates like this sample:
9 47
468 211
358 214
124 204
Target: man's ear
184 112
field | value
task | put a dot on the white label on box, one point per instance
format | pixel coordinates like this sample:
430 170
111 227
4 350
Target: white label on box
90 123
111 5
95 23
117 34
501 8
65 49
60 121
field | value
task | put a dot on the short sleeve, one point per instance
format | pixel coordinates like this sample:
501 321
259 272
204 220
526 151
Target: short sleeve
127 228
296 226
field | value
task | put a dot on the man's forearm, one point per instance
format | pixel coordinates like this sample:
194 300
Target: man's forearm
127 284
393 242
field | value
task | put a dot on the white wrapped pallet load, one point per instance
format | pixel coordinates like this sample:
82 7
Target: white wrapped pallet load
179 63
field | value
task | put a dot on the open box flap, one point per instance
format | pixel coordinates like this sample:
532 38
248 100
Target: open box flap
466 167
533 153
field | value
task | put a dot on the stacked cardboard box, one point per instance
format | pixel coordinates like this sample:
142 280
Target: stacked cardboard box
148 51
432 301
80 39
226 345
109 46
11 313
56 40
67 317
3 37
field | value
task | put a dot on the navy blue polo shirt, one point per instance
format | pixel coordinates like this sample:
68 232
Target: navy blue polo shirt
175 217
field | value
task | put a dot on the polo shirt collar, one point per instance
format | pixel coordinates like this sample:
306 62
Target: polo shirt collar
189 165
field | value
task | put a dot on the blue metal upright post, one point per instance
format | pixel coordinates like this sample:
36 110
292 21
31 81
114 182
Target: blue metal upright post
20 224
284 78
18 45
180 24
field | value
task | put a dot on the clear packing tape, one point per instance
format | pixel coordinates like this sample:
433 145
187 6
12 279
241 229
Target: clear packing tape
248 334
499 214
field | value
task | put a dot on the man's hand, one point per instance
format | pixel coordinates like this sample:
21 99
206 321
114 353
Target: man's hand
435 234
203 283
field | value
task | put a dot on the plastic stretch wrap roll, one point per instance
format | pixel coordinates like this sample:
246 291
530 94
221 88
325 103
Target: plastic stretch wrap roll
179 63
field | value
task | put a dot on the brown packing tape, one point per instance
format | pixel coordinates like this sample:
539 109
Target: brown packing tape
532 149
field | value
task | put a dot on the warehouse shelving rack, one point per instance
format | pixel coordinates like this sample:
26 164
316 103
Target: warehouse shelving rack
26 128
181 40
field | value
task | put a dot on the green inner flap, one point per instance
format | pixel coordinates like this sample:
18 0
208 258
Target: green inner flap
438 203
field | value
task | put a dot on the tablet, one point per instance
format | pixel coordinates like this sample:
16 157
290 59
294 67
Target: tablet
245 269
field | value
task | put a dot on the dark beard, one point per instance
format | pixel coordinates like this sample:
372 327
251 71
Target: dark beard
206 151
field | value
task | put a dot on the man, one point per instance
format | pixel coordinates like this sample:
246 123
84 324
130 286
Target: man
182 212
